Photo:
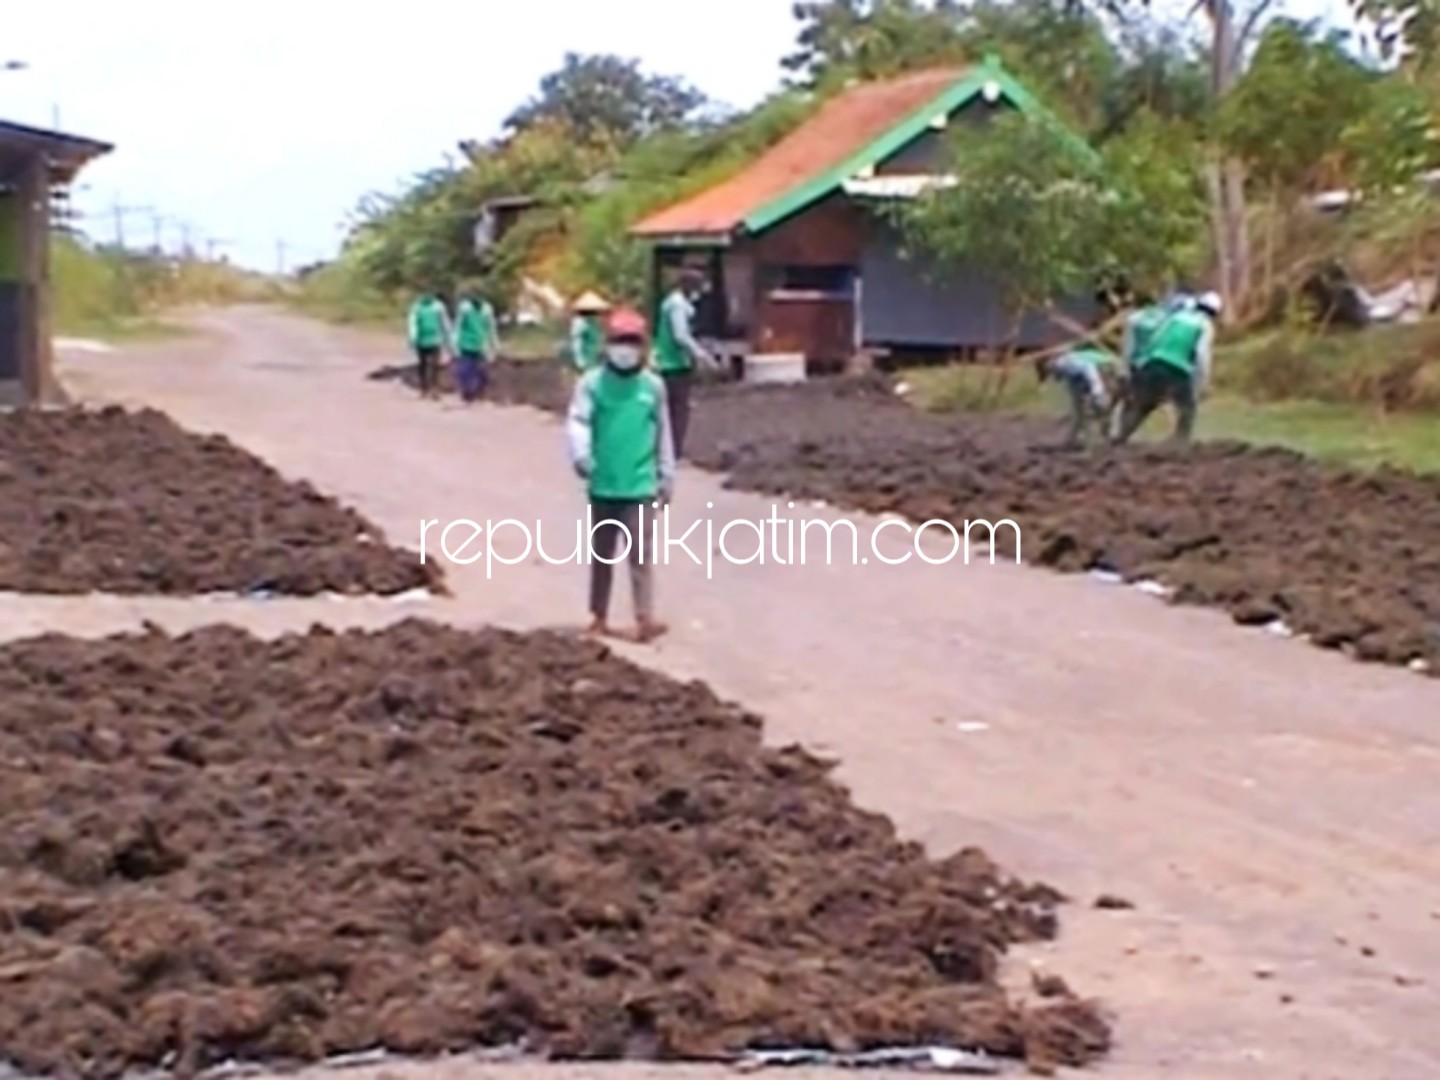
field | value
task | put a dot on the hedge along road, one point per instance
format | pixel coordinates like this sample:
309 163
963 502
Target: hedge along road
1268 808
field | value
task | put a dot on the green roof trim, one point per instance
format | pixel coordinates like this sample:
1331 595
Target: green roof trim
903 134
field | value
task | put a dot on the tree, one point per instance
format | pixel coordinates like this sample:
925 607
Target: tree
871 39
1388 148
1027 205
1048 219
1059 49
1284 120
608 98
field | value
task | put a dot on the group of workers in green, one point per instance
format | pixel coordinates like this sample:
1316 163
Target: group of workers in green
626 423
630 409
473 340
1166 357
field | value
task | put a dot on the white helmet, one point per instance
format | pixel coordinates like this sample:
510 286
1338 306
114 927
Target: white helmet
1209 302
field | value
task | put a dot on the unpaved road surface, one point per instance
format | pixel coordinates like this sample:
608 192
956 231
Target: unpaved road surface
1271 810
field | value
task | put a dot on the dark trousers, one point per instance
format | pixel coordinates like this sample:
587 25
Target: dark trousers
1154 385
617 525
470 374
677 398
428 364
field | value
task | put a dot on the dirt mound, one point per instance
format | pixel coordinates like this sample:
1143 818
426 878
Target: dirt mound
543 384
122 502
1345 557
214 847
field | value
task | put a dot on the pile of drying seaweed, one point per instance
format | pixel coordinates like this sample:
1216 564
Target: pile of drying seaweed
121 502
1344 557
544 384
213 847
1348 558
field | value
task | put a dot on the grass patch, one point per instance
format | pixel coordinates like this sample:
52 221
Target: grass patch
1386 368
120 296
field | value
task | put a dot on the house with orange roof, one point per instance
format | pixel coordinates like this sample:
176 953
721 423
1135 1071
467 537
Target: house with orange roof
799 261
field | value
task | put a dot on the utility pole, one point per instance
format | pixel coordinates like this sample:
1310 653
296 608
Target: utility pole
120 210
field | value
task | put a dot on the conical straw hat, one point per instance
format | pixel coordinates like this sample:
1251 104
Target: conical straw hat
591 301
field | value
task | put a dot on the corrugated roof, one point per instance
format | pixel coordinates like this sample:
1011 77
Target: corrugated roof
64 154
841 129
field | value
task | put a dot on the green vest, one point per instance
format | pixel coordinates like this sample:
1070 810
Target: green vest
470 329
589 343
624 433
427 324
1088 354
670 354
1143 325
1176 342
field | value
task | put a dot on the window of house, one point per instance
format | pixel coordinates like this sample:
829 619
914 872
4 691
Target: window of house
831 280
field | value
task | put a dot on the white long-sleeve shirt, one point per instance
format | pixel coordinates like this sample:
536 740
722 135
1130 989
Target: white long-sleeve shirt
1205 355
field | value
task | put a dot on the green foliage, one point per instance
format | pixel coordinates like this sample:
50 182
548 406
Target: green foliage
608 99
1046 217
1027 205
1393 140
1159 207
1285 116
872 39
105 291
1060 50
1389 369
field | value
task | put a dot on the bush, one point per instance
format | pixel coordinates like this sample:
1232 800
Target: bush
1390 368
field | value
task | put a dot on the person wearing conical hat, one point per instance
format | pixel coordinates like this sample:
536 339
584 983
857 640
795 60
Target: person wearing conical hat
587 336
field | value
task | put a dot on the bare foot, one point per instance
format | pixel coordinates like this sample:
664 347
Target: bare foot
598 628
649 630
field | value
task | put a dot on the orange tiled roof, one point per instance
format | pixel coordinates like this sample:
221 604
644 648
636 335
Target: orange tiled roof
842 127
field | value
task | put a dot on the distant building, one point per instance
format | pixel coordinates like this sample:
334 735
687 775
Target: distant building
33 163
498 217
798 260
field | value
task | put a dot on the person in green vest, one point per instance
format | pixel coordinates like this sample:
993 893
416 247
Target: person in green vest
587 334
428 329
1140 327
620 443
677 352
1175 367
1089 374
477 342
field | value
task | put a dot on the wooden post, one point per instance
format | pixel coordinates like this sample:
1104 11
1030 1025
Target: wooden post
36 349
30 192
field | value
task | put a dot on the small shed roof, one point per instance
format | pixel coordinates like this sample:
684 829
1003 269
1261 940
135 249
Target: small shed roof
64 154
851 133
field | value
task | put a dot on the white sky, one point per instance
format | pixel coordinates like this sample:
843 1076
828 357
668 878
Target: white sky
267 121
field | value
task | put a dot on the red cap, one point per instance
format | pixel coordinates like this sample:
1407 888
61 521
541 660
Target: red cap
626 323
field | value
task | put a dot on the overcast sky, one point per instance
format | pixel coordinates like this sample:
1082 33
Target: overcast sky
267 121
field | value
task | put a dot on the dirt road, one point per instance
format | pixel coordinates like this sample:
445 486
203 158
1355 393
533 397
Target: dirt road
1270 810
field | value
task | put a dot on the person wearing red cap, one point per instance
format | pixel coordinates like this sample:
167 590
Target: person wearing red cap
620 442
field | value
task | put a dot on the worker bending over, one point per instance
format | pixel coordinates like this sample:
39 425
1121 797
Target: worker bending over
1089 374
677 352
1175 367
620 443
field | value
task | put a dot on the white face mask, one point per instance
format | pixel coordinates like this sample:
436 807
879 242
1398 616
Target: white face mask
624 357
